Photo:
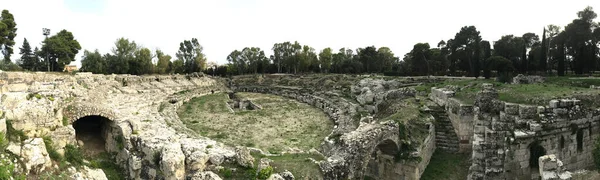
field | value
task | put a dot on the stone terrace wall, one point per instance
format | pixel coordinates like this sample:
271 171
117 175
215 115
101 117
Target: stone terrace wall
505 133
461 115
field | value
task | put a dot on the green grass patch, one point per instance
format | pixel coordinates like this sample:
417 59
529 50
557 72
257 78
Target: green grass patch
269 128
297 164
106 162
445 165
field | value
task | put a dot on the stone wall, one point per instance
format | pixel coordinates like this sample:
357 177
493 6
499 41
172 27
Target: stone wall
460 114
509 137
45 104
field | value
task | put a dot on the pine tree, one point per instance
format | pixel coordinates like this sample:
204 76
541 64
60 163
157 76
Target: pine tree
543 58
28 60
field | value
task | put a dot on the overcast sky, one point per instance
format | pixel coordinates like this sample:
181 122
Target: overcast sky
224 25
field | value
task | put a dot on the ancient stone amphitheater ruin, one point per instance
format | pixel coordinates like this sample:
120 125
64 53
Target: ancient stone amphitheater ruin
383 128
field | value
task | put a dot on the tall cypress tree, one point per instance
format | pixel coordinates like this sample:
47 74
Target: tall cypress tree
524 60
561 59
543 58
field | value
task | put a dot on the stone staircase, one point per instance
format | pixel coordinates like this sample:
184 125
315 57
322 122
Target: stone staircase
445 136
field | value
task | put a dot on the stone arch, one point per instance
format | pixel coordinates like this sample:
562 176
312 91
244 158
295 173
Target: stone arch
96 128
382 160
535 152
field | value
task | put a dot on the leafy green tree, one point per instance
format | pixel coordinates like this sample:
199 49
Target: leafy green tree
307 59
123 54
142 63
178 66
61 48
417 59
254 57
386 59
8 32
190 51
93 62
579 41
466 49
368 57
28 60
325 58
237 63
162 66
503 67
510 47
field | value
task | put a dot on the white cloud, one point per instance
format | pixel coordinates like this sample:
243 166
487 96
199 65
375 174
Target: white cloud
222 26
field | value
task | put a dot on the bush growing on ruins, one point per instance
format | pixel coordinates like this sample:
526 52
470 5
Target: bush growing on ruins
265 173
3 142
54 155
65 121
13 134
119 140
38 96
227 173
73 155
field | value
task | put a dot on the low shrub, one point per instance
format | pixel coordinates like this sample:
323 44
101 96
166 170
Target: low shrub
54 155
73 155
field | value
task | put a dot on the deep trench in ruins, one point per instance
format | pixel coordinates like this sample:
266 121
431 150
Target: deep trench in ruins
91 131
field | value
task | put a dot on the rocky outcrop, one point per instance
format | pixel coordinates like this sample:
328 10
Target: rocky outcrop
35 157
527 79
243 157
207 175
551 168
86 173
172 163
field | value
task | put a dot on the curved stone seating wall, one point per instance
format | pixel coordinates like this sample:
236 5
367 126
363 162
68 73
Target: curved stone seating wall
43 104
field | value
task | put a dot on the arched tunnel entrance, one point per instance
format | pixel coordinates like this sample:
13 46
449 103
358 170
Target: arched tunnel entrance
382 162
91 133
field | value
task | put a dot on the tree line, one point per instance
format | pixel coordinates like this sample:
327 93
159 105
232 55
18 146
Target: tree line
573 48
560 50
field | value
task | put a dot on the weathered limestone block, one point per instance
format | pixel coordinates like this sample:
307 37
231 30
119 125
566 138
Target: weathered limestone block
527 112
61 137
172 162
135 166
196 161
243 157
21 87
275 177
511 108
35 156
207 175
87 173
287 175
551 168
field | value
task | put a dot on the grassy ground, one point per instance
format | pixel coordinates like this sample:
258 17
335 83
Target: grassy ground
447 166
535 94
299 164
281 124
